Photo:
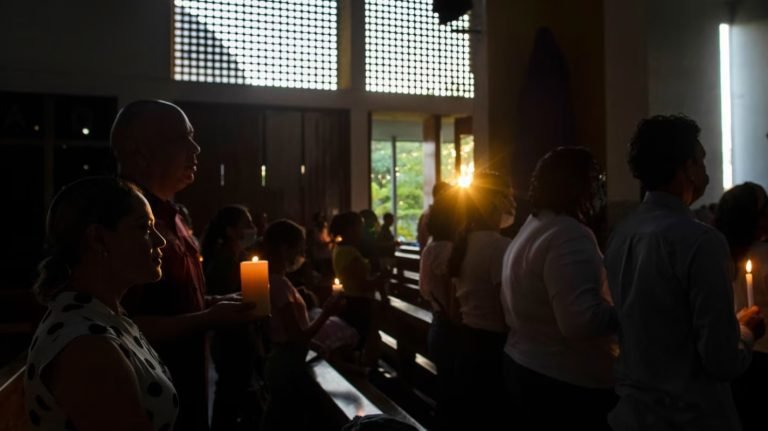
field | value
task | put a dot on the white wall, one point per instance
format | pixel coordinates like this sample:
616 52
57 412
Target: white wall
684 72
749 75
123 49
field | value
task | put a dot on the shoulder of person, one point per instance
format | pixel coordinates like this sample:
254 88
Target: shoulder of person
565 228
280 282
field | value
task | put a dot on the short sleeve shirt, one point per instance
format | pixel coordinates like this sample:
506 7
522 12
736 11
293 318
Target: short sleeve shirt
71 315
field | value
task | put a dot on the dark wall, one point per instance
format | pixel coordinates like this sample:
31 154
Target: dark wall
236 140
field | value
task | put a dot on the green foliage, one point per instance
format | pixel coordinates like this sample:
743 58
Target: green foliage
410 183
410 179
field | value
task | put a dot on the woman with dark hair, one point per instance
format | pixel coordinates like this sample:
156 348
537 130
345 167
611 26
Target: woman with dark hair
475 264
742 217
89 367
560 349
236 350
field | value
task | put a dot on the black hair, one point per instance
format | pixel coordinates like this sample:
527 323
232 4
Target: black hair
445 217
439 188
738 218
343 222
369 217
215 232
102 201
661 145
562 181
281 233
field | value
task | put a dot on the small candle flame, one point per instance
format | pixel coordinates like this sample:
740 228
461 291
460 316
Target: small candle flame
338 239
749 266
336 281
255 259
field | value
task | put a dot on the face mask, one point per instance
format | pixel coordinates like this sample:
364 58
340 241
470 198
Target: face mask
249 238
296 264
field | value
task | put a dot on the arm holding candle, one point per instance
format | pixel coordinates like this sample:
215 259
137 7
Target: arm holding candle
222 314
719 335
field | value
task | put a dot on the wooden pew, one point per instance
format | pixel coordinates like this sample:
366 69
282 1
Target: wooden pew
13 416
348 395
404 327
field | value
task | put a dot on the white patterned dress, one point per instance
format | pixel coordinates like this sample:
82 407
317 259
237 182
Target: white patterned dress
71 315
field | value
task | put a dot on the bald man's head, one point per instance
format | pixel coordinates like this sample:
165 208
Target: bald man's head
153 143
133 121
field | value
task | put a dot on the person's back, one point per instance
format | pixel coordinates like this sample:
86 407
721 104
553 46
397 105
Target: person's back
680 341
654 260
549 254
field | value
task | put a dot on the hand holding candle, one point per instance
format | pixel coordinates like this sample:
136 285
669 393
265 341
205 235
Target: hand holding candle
254 282
750 290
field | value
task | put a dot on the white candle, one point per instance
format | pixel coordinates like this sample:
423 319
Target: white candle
254 283
337 286
750 291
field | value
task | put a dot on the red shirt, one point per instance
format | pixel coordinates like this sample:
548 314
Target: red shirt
180 291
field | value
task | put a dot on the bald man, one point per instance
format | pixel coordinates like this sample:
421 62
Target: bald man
154 146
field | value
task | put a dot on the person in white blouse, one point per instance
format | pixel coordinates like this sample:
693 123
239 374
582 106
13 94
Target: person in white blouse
561 347
475 264
742 217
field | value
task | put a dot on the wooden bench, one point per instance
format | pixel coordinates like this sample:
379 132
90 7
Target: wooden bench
13 416
349 395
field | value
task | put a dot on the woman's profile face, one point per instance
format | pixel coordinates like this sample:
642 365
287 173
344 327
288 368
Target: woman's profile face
132 250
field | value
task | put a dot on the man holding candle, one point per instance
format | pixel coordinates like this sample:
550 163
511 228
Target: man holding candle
154 146
669 276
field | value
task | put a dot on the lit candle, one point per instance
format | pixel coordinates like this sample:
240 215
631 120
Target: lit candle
337 286
254 282
750 292
338 239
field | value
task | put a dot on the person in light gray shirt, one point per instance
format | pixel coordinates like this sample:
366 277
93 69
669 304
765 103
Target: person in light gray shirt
561 348
681 342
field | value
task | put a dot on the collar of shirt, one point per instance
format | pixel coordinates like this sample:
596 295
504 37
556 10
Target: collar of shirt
666 200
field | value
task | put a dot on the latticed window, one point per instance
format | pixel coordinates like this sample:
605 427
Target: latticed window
408 52
277 43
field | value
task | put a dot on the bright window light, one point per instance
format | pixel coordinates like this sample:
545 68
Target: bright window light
725 105
259 42
405 39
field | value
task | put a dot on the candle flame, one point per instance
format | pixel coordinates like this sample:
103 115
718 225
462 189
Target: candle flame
749 266
338 239
336 281
255 259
